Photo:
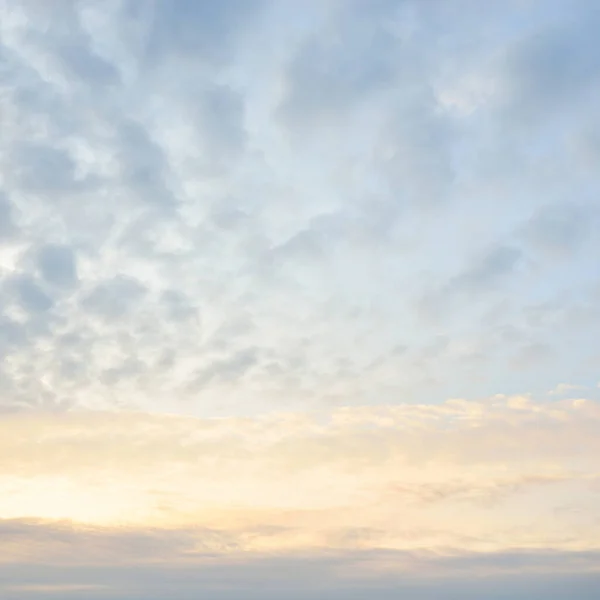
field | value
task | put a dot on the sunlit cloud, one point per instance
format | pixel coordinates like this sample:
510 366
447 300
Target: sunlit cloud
461 474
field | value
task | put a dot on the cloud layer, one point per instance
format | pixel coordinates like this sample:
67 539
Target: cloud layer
250 251
249 205
461 474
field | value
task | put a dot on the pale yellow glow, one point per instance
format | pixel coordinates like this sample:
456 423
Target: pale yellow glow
396 477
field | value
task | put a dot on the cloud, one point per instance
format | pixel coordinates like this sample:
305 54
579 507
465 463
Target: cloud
189 29
221 119
558 230
248 250
229 369
29 295
300 178
43 169
348 60
491 268
566 388
557 67
142 164
156 573
115 298
489 272
302 482
7 225
57 265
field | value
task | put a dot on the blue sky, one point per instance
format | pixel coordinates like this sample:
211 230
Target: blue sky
272 269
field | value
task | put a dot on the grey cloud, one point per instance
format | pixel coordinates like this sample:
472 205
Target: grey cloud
586 146
7 224
130 565
12 335
220 112
323 240
44 169
306 245
488 271
360 62
349 59
485 274
58 33
178 307
126 370
72 370
556 65
226 370
30 295
559 229
229 218
518 560
114 298
230 332
144 166
57 265
532 354
419 139
85 65
206 31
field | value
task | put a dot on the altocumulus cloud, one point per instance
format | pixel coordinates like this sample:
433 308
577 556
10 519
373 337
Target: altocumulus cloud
249 253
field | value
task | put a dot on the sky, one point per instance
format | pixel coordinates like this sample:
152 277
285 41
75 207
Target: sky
299 299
